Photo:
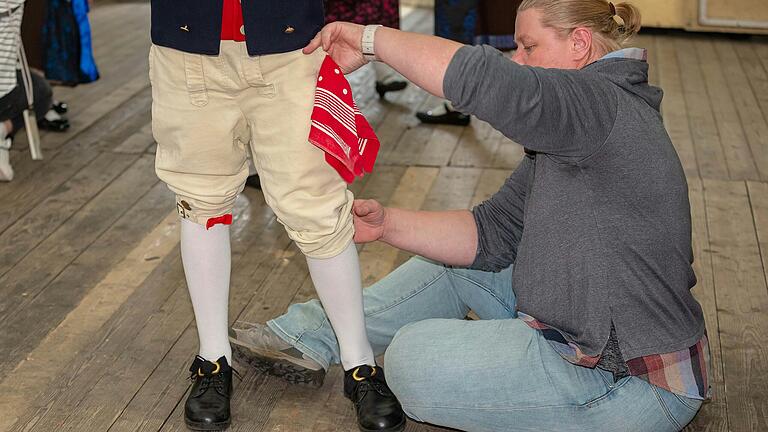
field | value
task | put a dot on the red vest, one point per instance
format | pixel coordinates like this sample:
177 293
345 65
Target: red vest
232 21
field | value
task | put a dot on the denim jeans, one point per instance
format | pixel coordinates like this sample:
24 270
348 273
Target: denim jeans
492 374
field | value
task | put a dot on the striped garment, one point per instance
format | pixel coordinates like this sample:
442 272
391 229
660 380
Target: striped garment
683 372
10 27
339 128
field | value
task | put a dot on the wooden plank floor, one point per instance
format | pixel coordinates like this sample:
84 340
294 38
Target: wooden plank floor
95 322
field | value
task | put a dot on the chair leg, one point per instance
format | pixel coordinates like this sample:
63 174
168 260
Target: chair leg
33 134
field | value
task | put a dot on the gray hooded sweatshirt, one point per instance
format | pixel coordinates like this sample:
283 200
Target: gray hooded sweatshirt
596 218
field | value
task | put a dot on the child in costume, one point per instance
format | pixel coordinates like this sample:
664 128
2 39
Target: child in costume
231 74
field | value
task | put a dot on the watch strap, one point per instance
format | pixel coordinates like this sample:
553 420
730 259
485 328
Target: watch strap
369 33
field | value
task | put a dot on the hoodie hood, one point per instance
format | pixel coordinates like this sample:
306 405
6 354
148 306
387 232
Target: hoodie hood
628 69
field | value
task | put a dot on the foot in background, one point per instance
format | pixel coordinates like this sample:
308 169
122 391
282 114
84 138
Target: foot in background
444 115
60 107
387 80
53 121
382 88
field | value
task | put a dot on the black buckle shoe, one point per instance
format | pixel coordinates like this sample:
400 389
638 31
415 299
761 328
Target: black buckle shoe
207 407
376 406
450 117
383 88
60 107
59 125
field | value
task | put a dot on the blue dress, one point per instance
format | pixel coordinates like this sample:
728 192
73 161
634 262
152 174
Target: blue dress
68 57
456 20
88 70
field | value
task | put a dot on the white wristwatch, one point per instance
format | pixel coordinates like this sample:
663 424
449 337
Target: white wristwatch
369 32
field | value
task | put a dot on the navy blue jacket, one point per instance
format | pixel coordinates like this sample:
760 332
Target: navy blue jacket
271 26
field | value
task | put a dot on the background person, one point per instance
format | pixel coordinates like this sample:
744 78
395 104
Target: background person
13 96
478 22
384 12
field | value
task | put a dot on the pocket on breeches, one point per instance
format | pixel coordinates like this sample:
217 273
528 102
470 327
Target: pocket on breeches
195 76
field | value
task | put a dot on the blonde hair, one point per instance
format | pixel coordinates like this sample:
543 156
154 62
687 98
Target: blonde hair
612 25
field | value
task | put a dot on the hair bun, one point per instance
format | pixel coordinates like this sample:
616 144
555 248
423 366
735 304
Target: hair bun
628 19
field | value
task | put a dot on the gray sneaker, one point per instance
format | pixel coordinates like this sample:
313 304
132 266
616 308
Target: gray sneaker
259 347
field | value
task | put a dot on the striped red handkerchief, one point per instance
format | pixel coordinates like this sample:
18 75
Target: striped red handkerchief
338 127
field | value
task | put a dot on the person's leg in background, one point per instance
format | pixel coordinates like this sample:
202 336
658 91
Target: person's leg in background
6 170
201 156
489 22
387 80
312 201
364 12
12 105
47 117
502 375
444 114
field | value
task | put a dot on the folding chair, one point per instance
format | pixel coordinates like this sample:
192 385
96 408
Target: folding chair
30 119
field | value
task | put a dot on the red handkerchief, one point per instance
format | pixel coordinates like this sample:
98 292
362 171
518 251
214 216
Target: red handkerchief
338 127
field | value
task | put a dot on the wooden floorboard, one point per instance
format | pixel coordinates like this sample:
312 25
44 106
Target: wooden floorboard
135 339
38 223
36 179
738 155
673 106
96 323
67 344
713 415
758 198
35 295
378 259
742 301
755 126
706 139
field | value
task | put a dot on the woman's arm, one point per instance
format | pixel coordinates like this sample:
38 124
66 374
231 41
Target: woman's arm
486 238
421 58
560 112
449 237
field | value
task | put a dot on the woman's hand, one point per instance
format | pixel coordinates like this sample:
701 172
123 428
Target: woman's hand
343 42
369 217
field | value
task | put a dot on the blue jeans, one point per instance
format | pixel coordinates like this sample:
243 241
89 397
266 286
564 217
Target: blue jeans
492 374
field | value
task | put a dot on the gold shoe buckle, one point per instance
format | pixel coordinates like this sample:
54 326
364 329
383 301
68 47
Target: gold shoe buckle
218 368
357 378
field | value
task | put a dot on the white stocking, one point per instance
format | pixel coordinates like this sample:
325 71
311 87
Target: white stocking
337 282
207 265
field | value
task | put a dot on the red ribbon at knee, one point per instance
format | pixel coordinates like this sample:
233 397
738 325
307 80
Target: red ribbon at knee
224 220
